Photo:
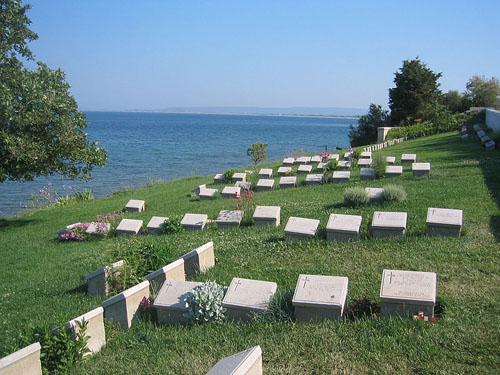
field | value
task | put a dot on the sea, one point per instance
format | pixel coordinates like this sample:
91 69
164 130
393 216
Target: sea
145 147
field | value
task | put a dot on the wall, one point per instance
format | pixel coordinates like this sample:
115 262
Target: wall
493 119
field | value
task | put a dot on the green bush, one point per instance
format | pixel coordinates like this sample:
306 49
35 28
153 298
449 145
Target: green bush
356 196
228 175
379 164
280 308
394 193
204 303
172 225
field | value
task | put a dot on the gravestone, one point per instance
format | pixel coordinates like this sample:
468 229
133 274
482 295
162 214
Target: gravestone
245 186
318 298
347 155
288 161
265 185
389 224
481 133
229 219
316 159
239 177
298 228
485 139
135 205
408 158
366 155
98 229
97 281
95 329
266 172
476 127
230 191
341 177
194 222
124 307
267 215
283 171
444 222
421 169
390 159
408 293
343 227
155 224
314 179
172 271
321 166
490 146
129 226
366 174
248 362
303 160
364 162
334 157
344 164
170 303
245 296
219 179
375 194
206 194
304 168
392 171
199 260
198 189
25 361
288 182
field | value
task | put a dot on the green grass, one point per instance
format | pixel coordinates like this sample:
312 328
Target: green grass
41 279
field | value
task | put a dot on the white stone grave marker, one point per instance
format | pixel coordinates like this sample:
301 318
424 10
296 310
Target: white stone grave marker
194 222
444 222
129 226
170 303
248 362
135 205
298 228
343 227
267 215
389 224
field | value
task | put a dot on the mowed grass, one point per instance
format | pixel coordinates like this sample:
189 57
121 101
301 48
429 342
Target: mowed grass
41 278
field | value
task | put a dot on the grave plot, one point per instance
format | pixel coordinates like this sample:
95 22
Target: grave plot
322 166
229 219
244 186
375 194
248 362
172 271
97 281
421 169
343 227
390 160
194 222
303 160
239 177
366 174
95 329
129 226
135 205
198 189
408 293
288 161
392 171
490 145
170 303
206 194
219 179
408 158
314 179
347 155
318 298
303 169
366 155
265 185
389 224
267 215
298 228
364 162
155 224
230 191
334 157
283 171
199 260
245 296
24 361
266 172
316 159
98 229
340 177
288 182
444 222
344 164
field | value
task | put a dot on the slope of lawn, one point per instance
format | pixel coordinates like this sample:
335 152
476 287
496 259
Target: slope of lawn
41 278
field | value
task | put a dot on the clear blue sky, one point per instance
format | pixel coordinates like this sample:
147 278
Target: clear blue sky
155 54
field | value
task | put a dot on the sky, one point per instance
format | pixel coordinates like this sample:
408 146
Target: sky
132 55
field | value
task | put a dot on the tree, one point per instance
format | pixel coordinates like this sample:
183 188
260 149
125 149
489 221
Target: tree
41 129
455 101
257 152
416 89
483 92
366 131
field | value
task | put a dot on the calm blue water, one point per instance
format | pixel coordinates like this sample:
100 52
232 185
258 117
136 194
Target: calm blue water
165 146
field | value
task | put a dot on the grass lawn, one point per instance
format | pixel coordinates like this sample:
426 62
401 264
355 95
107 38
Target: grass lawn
41 278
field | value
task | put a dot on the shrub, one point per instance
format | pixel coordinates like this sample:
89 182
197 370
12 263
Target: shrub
228 175
379 164
204 303
332 165
280 308
257 152
172 225
394 193
356 196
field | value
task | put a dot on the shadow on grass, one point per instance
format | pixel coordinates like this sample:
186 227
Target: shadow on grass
274 239
334 206
80 289
495 226
6 224
439 309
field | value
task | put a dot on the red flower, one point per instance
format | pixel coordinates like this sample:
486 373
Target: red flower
432 320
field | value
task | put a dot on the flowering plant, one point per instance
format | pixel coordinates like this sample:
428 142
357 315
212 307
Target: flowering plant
324 156
424 318
147 310
75 232
108 221
246 203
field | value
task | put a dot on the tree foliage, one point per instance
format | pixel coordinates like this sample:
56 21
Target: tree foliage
366 131
416 89
455 101
257 152
483 92
41 129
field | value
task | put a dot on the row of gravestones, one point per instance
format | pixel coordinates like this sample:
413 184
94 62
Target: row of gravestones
486 141
382 145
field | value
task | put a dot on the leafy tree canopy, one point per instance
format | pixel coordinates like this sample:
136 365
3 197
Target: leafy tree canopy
257 152
483 92
41 129
416 89
366 131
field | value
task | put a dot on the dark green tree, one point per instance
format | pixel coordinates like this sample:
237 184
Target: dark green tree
366 131
416 89
455 101
483 92
41 129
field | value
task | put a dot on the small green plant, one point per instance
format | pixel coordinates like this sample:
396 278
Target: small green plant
356 196
378 165
246 203
280 308
204 303
257 152
356 154
228 175
394 193
172 225
332 165
293 171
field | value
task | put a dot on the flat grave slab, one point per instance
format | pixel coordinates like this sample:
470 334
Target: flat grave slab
334 157
288 182
476 127
318 298
408 158
240 176
155 224
266 172
298 228
265 185
366 174
244 186
316 159
444 222
219 178
198 189
375 194
172 271
341 177
288 161
303 168
194 222
248 362
364 162
344 164
206 194
421 169
129 226
390 160
230 191
229 219
98 229
25 361
389 224
481 133
314 179
366 155
135 205
303 160
343 227
347 155
170 303
408 293
245 296
267 215
199 260
321 166
283 171
490 145
392 171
